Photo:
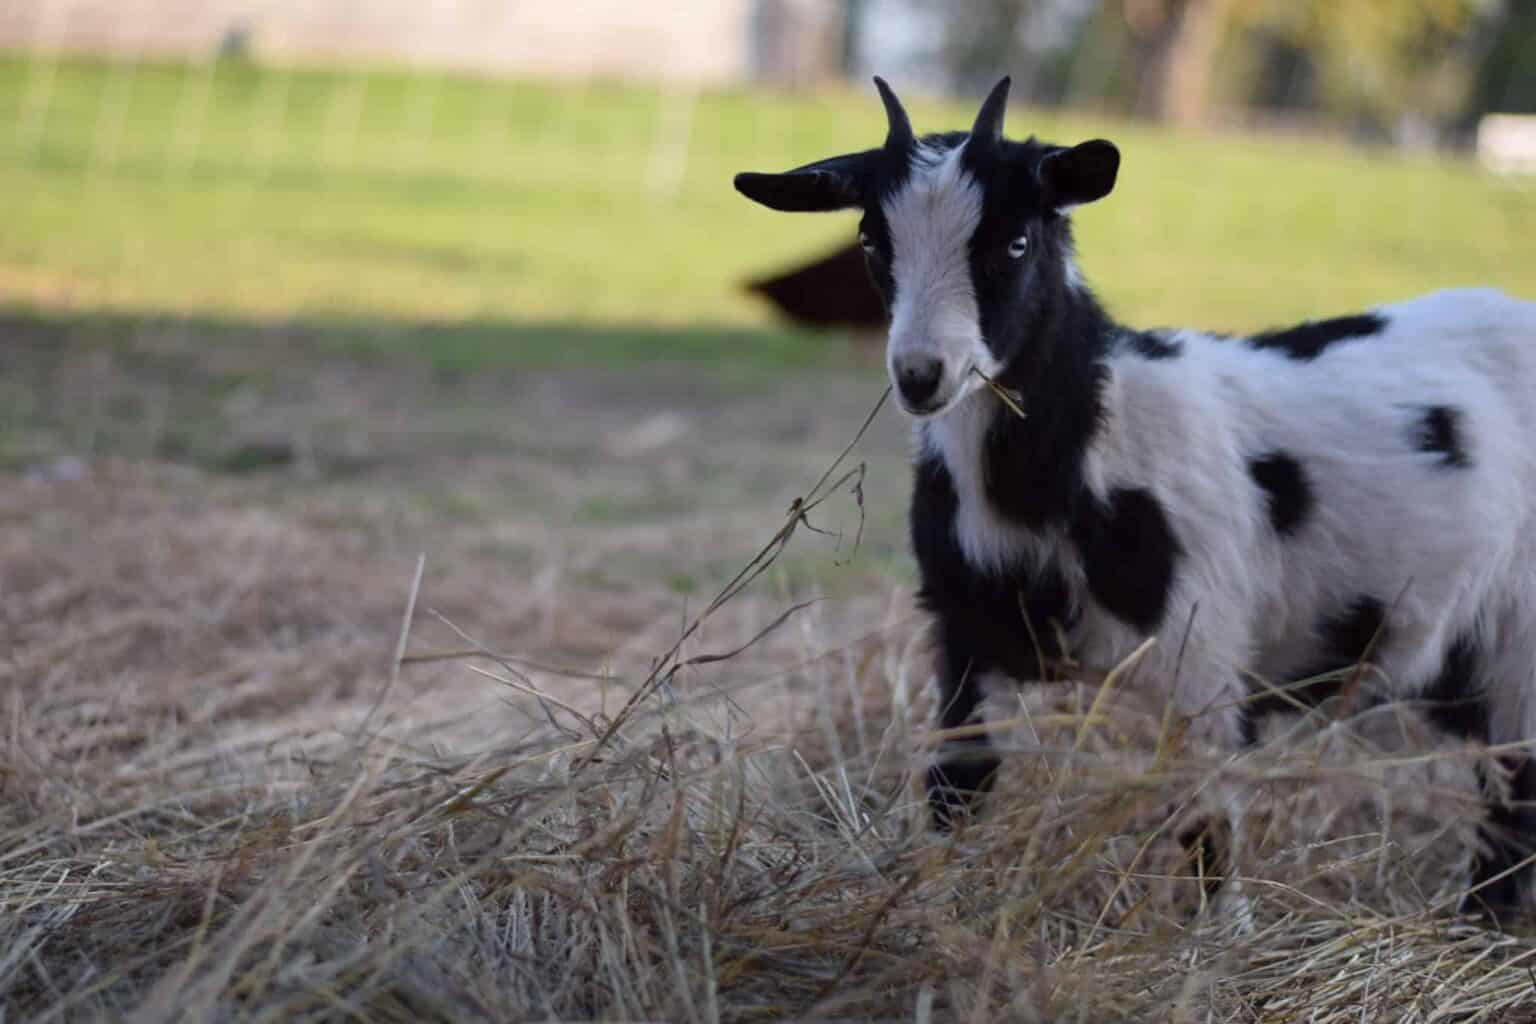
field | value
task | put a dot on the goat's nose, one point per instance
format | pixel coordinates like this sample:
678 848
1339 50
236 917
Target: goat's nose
917 378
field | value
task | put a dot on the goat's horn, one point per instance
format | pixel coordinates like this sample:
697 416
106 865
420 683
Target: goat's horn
899 134
989 122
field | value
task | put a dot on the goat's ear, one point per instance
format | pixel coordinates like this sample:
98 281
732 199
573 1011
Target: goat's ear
832 184
1072 177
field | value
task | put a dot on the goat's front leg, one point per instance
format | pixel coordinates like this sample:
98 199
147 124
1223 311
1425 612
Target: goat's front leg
1219 865
1236 733
964 768
1230 728
1232 906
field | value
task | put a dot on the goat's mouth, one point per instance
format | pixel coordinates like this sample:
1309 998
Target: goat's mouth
926 411
946 398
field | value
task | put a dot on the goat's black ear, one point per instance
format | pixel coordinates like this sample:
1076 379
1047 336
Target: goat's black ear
1072 177
832 184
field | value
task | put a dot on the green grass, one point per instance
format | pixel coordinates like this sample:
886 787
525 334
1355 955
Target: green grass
246 194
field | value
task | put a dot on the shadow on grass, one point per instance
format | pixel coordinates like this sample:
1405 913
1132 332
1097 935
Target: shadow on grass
231 395
456 346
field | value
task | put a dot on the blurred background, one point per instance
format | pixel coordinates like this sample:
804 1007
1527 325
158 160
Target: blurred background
469 277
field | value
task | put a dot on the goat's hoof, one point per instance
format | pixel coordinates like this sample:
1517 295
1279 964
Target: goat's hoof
1210 858
1233 910
955 786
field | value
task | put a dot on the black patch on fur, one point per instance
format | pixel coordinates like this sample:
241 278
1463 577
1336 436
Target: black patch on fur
1345 639
957 783
1129 555
1509 835
1153 344
1251 713
1050 337
1307 341
1350 635
1007 622
1033 467
1285 484
1439 430
986 620
1455 702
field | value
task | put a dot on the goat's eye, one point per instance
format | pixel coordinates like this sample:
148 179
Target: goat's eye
1017 246
866 243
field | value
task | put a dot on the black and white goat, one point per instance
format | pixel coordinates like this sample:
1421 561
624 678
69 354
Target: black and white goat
1270 508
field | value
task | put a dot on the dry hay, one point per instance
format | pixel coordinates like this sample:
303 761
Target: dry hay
222 797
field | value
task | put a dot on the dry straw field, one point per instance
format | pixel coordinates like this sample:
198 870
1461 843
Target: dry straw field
261 762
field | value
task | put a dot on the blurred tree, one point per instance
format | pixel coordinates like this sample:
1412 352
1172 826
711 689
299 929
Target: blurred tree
1378 62
855 15
1033 40
1179 42
1506 74
982 39
1370 60
1154 57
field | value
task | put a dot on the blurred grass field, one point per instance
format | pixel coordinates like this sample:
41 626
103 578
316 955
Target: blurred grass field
230 191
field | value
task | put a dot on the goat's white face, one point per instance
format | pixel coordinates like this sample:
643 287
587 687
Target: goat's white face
965 238
935 340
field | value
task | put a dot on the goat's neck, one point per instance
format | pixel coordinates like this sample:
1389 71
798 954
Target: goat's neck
1032 467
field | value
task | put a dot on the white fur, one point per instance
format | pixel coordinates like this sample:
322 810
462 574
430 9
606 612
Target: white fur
1451 550
1448 550
932 218
1074 275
